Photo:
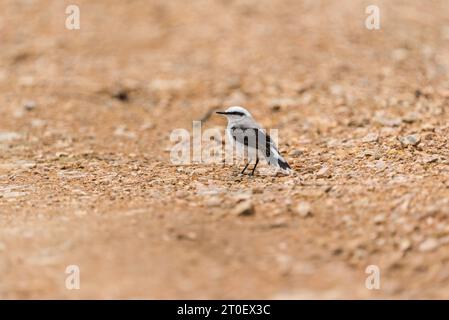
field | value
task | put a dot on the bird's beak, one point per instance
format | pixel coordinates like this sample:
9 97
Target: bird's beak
221 112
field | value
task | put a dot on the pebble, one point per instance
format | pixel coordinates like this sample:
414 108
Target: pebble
431 159
279 223
404 245
410 140
187 236
336 90
242 196
245 208
123 132
323 173
379 219
371 137
410 117
213 202
295 153
257 190
146 126
181 194
29 105
37 123
121 94
428 245
61 154
380 165
303 209
389 122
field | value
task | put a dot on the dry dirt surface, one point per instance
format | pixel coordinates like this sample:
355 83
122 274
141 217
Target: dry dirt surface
86 177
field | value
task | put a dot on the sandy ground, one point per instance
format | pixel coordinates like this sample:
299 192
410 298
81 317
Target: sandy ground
85 171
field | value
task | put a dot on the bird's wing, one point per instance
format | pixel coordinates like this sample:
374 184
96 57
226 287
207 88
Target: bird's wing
253 137
256 138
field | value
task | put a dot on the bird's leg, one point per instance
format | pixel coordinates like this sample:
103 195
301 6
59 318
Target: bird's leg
254 169
246 166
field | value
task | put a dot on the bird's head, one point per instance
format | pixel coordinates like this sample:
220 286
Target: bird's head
236 114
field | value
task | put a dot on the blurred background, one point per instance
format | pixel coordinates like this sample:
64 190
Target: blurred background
85 174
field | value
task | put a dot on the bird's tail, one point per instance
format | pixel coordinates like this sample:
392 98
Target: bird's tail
276 160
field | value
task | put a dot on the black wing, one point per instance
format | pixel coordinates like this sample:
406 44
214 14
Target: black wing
254 138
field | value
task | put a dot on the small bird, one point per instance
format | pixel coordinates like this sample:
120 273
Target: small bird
247 134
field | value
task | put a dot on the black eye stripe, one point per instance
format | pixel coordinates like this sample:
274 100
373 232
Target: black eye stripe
235 113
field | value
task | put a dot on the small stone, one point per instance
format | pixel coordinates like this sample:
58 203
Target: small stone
410 117
389 122
428 127
410 140
61 154
371 137
213 202
404 245
303 209
257 190
428 245
242 196
29 105
336 90
279 223
323 173
276 108
121 131
191 235
295 153
431 159
379 219
121 94
336 251
181 194
368 153
146 126
187 236
233 83
380 165
37 123
245 208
